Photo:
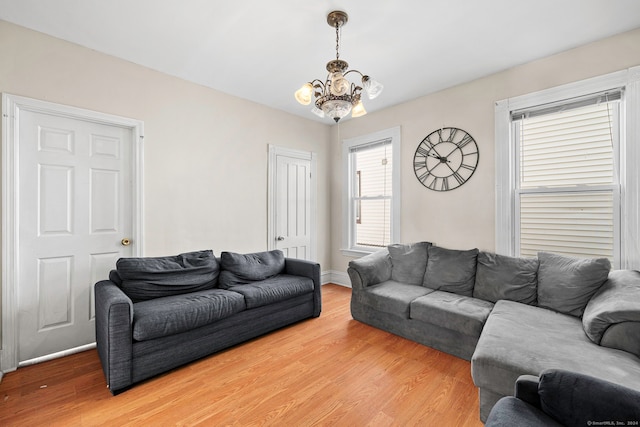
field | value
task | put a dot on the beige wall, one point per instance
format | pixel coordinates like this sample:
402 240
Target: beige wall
219 143
464 218
206 153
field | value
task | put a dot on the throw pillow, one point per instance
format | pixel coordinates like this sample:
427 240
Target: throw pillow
155 277
504 277
451 270
409 262
240 269
566 284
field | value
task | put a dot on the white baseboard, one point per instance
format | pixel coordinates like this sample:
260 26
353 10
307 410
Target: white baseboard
337 277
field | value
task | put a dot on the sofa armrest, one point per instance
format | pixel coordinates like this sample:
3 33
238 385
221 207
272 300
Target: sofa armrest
527 389
304 268
114 334
370 269
614 311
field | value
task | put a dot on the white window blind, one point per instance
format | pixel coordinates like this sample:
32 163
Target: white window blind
567 184
372 193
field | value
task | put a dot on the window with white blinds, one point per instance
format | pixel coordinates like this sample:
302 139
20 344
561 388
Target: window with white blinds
372 193
567 188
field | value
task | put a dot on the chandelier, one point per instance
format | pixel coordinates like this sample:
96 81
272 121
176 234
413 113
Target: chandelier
336 96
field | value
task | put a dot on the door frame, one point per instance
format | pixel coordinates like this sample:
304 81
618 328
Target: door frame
274 152
11 107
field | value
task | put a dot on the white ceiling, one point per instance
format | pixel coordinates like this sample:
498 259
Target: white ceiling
265 50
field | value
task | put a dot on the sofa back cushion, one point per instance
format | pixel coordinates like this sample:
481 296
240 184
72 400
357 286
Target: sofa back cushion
451 270
504 277
154 277
409 262
239 269
566 284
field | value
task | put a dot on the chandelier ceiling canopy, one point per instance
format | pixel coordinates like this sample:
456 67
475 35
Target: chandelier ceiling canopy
336 96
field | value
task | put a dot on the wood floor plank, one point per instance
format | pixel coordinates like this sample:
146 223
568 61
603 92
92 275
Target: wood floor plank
329 371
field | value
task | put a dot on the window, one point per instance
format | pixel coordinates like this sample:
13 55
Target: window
567 189
566 171
371 191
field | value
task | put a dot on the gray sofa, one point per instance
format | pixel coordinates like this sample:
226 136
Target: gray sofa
155 314
508 316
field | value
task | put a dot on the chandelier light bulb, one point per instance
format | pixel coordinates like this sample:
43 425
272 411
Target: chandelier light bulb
358 110
303 95
372 87
339 85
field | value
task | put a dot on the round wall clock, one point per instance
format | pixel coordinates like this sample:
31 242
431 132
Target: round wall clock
445 159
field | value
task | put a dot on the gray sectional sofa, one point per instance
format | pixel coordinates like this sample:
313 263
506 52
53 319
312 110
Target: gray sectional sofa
509 316
155 314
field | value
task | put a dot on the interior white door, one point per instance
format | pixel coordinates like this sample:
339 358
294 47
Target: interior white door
74 210
293 206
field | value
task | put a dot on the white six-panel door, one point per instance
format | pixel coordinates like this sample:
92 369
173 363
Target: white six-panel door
292 203
74 218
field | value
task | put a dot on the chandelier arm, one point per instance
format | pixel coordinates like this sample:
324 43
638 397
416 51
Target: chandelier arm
318 81
353 71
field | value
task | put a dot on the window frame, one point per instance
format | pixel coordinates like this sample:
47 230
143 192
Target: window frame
349 248
506 218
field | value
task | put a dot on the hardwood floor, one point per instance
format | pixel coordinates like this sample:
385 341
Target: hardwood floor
329 371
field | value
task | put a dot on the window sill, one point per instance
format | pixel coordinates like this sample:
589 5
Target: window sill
357 253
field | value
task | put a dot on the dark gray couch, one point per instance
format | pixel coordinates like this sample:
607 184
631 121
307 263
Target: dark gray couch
509 316
155 314
565 398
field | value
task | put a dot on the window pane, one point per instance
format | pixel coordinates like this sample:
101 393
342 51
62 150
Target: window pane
572 147
373 167
573 224
374 226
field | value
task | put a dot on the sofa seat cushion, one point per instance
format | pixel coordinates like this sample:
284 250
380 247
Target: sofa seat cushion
520 339
156 277
174 314
392 297
466 315
274 289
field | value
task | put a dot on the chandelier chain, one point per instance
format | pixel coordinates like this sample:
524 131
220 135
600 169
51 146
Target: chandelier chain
337 40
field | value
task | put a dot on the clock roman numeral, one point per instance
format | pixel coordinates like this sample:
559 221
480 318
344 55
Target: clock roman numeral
422 151
423 177
433 184
458 178
427 142
452 134
467 139
445 184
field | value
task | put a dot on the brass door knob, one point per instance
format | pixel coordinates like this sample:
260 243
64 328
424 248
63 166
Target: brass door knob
125 242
